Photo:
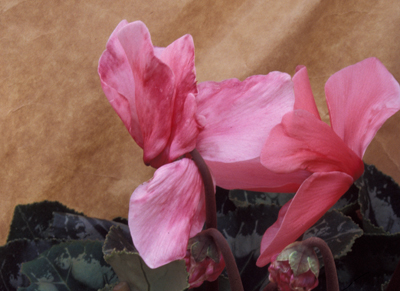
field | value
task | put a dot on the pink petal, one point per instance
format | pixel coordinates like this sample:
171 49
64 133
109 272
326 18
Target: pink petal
165 211
154 88
239 115
315 196
302 90
118 83
251 175
302 141
179 56
360 99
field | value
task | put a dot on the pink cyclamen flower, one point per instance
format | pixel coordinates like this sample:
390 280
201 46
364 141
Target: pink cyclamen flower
360 99
153 91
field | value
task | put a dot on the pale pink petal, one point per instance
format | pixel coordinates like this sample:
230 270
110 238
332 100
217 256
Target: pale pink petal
303 93
154 88
315 196
360 99
165 211
118 83
239 115
302 141
251 175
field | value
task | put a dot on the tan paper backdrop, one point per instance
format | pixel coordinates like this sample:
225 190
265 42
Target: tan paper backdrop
61 140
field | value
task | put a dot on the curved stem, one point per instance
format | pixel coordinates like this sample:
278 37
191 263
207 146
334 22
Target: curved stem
233 273
394 283
332 283
211 208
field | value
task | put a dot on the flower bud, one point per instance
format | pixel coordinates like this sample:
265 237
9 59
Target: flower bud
203 260
295 268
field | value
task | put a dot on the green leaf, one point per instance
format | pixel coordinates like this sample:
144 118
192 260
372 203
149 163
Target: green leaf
73 227
244 198
370 264
129 266
349 201
337 230
13 254
76 265
243 229
33 220
379 202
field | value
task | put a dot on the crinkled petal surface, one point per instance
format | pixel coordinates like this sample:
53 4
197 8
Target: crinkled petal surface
360 99
239 115
165 211
303 93
315 196
251 175
302 141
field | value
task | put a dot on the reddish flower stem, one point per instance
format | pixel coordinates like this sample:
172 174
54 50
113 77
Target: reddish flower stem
211 208
233 273
332 283
394 283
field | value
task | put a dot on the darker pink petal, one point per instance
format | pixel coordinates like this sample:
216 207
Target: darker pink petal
360 99
303 93
153 90
179 56
166 211
315 196
304 142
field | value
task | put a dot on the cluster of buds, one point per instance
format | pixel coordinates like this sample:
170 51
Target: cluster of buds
204 261
296 268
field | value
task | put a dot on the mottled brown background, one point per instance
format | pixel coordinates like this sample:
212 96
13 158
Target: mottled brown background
61 140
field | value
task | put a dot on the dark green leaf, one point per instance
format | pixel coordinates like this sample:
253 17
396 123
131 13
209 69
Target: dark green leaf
73 227
244 198
243 229
33 220
379 202
337 230
13 254
76 265
129 266
348 201
224 204
370 264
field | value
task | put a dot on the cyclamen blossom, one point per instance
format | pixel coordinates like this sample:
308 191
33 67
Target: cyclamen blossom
154 92
360 99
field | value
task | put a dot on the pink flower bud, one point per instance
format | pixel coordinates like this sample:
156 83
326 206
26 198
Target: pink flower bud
203 260
296 268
